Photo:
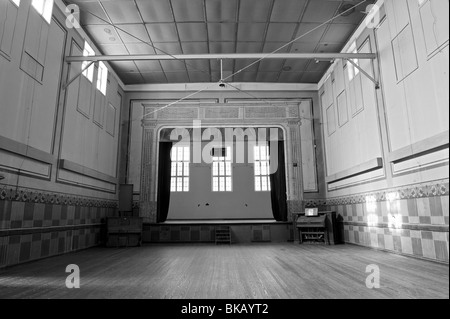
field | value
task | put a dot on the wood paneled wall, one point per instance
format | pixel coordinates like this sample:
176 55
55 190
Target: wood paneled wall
391 144
58 148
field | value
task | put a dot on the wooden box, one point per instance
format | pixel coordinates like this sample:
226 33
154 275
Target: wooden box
124 231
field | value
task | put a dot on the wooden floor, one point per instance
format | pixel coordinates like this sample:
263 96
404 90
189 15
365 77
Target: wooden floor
260 271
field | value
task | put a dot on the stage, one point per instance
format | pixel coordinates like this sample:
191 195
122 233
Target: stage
204 231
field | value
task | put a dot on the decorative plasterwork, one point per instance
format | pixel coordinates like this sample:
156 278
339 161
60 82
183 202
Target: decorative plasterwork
422 190
21 194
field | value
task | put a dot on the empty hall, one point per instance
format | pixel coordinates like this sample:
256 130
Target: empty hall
224 150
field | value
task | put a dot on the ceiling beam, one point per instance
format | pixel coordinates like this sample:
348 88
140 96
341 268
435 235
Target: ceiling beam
228 56
243 86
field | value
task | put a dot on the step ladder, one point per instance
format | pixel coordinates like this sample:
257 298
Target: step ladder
223 235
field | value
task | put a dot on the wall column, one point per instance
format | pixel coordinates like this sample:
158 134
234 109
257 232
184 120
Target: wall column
294 168
148 173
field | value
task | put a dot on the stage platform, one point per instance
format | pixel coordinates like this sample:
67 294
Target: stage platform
204 231
220 221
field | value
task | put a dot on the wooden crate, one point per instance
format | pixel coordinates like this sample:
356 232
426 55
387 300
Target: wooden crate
124 231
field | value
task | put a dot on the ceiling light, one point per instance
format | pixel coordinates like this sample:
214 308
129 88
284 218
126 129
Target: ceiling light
107 30
222 84
112 39
287 68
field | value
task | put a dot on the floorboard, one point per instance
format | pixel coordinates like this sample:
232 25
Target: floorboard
262 271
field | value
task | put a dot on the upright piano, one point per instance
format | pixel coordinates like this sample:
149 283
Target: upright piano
318 227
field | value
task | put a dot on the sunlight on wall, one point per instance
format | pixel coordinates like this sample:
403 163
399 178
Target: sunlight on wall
372 220
371 208
393 206
371 204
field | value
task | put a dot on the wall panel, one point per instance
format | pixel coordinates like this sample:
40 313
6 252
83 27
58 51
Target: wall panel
29 104
8 19
398 201
435 24
397 114
351 121
50 206
35 45
414 105
45 96
90 139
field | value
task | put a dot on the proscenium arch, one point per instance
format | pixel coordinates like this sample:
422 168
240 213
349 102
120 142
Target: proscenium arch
286 142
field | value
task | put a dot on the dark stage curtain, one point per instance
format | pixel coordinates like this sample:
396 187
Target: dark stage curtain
165 166
278 183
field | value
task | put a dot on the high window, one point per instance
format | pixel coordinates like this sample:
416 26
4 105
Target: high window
43 7
222 180
181 157
89 72
102 78
351 69
262 168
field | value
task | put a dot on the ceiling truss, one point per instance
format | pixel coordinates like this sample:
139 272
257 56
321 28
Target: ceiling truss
350 57
228 56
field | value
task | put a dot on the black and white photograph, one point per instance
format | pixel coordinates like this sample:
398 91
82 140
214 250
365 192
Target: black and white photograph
224 156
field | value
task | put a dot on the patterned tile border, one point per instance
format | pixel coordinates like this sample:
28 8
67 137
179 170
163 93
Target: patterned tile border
42 230
20 248
425 244
179 233
422 190
20 194
430 228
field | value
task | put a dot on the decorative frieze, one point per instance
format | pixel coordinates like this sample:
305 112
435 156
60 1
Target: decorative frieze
423 190
178 113
293 112
221 113
252 110
149 112
265 112
21 194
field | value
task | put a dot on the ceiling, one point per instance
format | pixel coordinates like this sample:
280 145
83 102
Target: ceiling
122 27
